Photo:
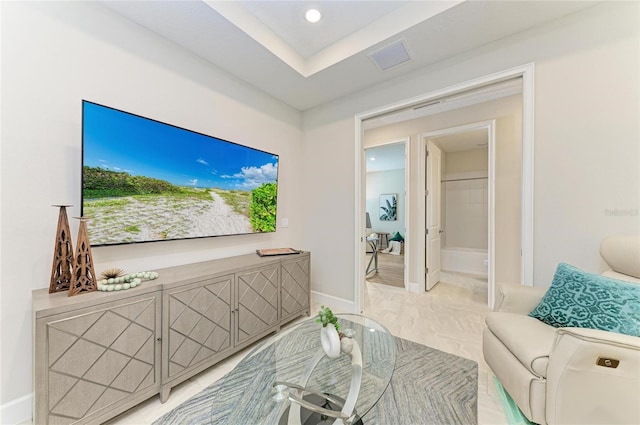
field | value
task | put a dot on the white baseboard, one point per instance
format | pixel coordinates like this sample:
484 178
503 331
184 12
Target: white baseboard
473 273
414 287
17 411
337 305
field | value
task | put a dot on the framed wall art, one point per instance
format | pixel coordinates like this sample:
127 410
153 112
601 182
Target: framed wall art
388 205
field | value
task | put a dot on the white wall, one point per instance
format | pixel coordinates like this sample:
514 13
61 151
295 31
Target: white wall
587 103
328 200
56 54
383 182
466 217
469 161
465 201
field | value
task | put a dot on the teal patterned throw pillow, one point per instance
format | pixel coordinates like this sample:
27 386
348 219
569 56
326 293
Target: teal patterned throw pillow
585 300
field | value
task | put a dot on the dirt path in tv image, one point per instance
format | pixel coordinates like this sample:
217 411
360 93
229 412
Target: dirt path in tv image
132 219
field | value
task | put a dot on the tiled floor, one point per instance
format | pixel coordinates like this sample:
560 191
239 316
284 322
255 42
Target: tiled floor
450 318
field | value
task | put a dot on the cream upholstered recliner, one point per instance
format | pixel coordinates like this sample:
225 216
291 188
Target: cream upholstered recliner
553 374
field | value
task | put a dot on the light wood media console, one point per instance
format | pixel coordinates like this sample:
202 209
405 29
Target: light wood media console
101 353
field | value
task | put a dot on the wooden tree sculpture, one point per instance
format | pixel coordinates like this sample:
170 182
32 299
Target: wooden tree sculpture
62 267
84 277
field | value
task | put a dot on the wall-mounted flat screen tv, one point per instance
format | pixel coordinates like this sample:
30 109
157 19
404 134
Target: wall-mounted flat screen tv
146 181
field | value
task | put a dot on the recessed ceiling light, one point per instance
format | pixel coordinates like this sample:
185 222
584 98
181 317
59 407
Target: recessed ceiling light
313 16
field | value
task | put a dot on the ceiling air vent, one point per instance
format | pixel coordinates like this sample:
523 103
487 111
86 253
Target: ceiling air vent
391 56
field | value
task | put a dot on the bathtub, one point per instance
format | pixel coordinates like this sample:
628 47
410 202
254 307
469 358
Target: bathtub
464 260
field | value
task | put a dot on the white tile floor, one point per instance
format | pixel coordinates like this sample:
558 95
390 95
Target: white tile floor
450 318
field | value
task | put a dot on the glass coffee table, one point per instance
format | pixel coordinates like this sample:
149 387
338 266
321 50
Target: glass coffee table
288 380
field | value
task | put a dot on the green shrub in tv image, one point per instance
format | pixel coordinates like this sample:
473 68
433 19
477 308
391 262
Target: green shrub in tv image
124 208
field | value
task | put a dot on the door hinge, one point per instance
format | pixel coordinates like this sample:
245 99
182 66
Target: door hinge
426 193
426 232
426 270
427 153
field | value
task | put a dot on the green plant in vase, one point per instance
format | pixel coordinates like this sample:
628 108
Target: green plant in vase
330 337
326 316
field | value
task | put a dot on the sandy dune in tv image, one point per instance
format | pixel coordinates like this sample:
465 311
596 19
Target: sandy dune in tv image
162 218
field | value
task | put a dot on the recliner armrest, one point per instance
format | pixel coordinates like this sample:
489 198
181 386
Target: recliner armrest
513 298
593 377
603 337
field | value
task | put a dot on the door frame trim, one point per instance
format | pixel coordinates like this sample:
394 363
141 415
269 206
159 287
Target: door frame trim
490 126
525 71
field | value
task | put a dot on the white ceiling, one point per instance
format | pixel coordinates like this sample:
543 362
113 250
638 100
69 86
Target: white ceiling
268 45
385 158
309 40
469 140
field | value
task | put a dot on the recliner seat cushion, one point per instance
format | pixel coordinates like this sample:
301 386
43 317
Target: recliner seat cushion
528 339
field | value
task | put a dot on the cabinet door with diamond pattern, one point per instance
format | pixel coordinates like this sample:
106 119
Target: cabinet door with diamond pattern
97 359
199 323
294 287
257 297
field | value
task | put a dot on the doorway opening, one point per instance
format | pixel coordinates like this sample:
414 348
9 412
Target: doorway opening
458 170
525 74
386 187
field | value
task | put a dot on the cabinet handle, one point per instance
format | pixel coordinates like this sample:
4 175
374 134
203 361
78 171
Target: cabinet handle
159 339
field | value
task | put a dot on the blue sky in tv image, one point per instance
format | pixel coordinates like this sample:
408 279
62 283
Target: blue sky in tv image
120 141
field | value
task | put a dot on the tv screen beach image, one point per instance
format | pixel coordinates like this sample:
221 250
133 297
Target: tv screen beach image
144 181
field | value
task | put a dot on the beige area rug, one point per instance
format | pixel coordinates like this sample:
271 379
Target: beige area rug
390 270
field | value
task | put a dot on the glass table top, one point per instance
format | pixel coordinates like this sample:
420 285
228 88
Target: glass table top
247 394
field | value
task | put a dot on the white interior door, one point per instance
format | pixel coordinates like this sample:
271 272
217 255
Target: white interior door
433 176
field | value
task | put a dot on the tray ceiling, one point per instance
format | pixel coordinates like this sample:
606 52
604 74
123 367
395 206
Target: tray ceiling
269 45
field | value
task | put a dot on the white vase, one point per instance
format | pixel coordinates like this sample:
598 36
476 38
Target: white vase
330 341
